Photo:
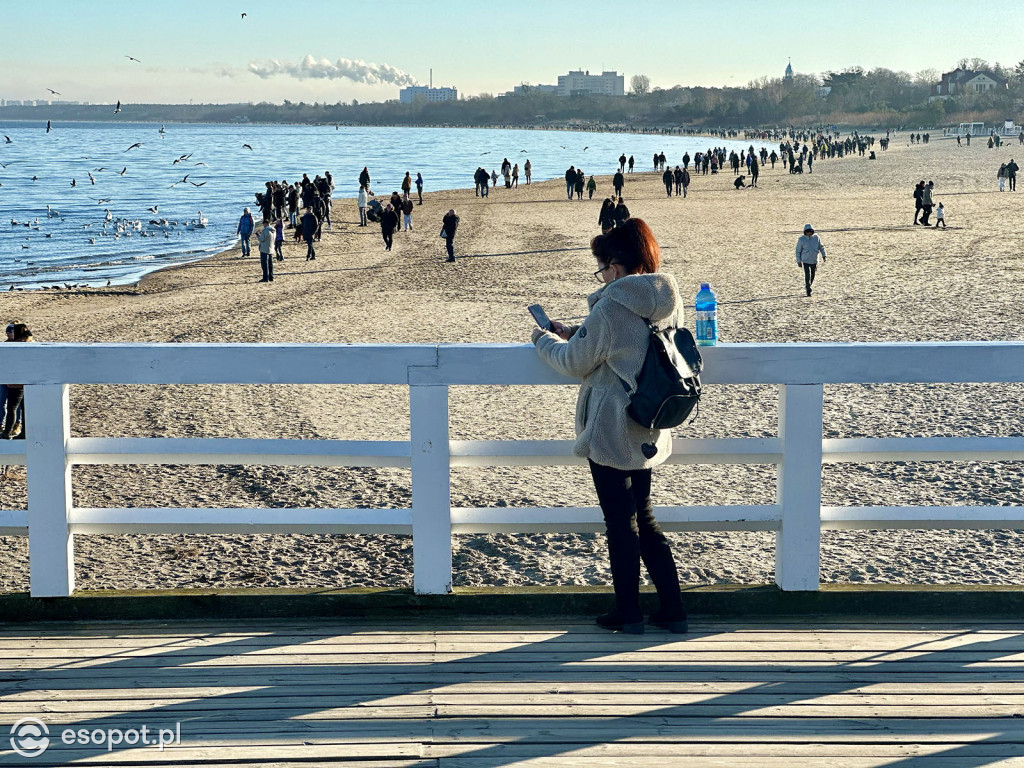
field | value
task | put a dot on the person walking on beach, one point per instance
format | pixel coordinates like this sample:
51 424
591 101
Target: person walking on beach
621 214
494 179
361 202
12 407
606 218
419 188
309 227
622 163
618 181
686 182
515 175
406 186
364 178
918 196
570 180
808 246
1011 174
940 216
279 239
388 225
755 169
266 252
581 180
407 207
526 170
293 205
449 225
631 161
667 179
608 350
926 202
244 231
1001 177
591 188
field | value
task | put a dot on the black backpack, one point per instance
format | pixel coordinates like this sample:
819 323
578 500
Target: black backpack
668 386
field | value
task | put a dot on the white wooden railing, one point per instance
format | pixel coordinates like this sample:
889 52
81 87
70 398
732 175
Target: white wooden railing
799 371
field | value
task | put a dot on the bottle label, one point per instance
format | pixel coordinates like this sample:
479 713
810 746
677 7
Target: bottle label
707 325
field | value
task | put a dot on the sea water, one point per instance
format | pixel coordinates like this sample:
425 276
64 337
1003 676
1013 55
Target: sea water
75 244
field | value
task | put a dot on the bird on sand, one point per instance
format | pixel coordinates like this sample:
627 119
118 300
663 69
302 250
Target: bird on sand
117 109
133 146
131 58
246 146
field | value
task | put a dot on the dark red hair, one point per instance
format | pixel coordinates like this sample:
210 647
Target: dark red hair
632 245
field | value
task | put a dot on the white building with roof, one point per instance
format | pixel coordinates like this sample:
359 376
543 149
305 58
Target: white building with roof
582 83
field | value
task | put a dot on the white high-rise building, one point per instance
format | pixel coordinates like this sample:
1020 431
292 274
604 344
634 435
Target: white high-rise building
411 93
583 83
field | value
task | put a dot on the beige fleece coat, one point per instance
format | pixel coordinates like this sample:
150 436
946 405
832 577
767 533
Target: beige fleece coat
607 349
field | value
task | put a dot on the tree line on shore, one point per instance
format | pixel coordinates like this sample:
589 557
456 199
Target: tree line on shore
854 96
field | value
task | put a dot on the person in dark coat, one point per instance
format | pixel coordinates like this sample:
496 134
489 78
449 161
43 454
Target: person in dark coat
388 225
631 162
621 213
364 179
918 194
606 218
685 181
449 225
667 179
309 227
618 181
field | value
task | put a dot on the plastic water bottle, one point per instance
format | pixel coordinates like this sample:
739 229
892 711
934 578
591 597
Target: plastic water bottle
706 306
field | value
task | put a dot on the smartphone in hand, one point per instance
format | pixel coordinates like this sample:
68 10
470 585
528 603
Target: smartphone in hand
540 316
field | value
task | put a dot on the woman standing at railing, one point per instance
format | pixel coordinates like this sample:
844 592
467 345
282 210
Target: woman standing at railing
14 399
606 351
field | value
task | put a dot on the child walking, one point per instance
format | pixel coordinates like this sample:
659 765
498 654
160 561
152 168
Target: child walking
940 216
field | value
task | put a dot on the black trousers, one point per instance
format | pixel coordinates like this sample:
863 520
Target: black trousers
388 238
809 270
15 412
634 535
267 264
310 251
1013 182
449 244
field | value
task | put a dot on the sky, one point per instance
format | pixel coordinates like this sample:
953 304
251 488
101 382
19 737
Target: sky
204 51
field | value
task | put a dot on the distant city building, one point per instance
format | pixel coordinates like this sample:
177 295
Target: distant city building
413 92
519 90
964 82
580 83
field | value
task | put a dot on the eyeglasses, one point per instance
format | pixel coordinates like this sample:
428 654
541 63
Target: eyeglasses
598 274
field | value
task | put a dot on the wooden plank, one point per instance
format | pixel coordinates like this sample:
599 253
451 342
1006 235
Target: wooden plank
511 751
160 520
567 761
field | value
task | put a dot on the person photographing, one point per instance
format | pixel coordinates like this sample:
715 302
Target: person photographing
606 351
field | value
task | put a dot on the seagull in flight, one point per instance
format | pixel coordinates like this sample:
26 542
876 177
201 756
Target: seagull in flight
91 178
53 91
133 146
197 185
184 180
74 183
202 164
7 139
182 158
244 15
131 58
4 165
246 146
117 109
48 126
153 209
125 169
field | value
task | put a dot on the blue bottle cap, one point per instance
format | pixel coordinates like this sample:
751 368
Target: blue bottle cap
705 285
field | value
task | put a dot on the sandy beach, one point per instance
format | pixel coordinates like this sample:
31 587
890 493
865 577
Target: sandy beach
885 280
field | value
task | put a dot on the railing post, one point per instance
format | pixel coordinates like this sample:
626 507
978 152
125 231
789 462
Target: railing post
798 542
431 490
50 543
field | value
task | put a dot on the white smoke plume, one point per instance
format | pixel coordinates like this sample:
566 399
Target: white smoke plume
310 68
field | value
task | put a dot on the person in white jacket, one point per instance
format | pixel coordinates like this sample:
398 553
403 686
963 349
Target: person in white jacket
808 246
361 202
607 352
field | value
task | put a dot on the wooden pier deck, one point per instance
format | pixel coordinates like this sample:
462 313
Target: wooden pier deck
483 692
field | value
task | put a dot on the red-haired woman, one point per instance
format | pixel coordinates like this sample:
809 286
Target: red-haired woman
605 351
